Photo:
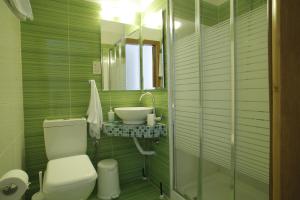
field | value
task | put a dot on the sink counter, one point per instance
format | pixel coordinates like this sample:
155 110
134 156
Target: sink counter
138 131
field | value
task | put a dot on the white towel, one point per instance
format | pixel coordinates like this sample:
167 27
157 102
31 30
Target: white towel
94 112
21 8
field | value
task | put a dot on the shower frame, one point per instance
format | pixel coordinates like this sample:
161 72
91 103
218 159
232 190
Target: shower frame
171 92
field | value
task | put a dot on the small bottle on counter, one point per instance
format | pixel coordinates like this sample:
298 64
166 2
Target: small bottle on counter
111 115
151 119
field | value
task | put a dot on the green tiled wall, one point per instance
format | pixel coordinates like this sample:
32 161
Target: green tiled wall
58 49
186 10
212 14
242 6
158 165
122 149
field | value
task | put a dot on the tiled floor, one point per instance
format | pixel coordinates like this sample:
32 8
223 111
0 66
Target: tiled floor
217 187
139 190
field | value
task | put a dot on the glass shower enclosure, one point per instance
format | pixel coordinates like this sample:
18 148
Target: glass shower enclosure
219 100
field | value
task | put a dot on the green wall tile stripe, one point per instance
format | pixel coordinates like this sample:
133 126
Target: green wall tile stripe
210 13
55 81
158 165
58 49
242 7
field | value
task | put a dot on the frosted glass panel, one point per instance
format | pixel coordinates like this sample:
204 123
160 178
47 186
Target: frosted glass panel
221 98
252 101
216 159
187 101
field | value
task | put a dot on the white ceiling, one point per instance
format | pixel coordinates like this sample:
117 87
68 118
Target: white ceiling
132 4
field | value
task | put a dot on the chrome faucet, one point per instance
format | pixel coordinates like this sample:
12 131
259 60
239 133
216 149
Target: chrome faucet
153 100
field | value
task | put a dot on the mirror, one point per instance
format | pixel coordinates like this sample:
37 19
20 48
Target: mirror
132 47
120 60
153 48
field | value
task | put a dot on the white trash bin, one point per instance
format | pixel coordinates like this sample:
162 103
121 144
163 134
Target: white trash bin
108 179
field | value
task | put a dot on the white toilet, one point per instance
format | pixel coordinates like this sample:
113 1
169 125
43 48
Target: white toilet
70 174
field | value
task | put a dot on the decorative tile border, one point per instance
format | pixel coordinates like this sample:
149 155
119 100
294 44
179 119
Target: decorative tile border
138 131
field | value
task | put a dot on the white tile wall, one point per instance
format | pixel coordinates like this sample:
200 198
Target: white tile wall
11 95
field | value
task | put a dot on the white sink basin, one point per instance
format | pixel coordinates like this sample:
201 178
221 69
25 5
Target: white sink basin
133 115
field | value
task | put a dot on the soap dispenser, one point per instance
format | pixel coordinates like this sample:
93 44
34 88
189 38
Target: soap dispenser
111 115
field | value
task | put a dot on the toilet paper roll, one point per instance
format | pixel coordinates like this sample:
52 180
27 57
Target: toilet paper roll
13 185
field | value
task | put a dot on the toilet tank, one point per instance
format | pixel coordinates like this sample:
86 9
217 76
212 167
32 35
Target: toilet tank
65 137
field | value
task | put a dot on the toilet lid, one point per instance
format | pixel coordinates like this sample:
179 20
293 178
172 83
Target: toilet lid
67 171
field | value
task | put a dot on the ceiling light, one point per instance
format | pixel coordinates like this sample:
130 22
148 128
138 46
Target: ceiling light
153 20
144 5
118 11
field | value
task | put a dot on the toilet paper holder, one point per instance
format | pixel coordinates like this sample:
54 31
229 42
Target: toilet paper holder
9 189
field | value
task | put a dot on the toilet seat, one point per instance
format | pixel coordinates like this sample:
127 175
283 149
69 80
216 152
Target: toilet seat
67 173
